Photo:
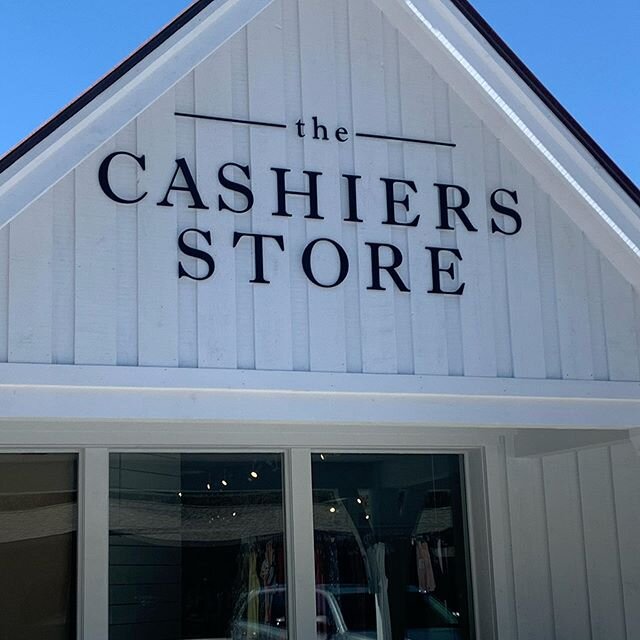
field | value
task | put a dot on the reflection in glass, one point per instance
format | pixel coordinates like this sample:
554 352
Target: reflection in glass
38 546
196 547
390 557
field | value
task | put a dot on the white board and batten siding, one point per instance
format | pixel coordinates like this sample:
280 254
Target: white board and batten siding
86 281
572 521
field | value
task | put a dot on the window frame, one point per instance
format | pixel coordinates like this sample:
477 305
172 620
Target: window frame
80 539
93 502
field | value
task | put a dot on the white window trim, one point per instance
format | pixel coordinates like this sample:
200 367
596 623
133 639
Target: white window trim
93 514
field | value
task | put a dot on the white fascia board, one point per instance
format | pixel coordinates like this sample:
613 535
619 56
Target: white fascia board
519 118
77 393
64 149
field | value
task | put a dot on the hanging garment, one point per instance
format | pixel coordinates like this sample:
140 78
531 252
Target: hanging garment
439 555
376 560
426 579
333 570
319 561
268 576
253 590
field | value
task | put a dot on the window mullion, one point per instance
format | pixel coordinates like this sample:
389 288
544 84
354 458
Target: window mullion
302 587
94 545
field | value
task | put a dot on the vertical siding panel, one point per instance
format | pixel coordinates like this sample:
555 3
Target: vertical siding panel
272 302
301 316
157 238
377 308
566 547
327 331
501 540
126 176
596 314
636 305
601 543
400 236
30 283
626 483
442 98
476 303
216 304
96 268
429 327
534 601
63 269
548 297
620 323
4 293
525 307
245 307
499 268
572 297
190 219
350 233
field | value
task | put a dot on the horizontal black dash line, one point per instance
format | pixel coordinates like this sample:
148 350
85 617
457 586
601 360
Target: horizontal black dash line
376 136
254 123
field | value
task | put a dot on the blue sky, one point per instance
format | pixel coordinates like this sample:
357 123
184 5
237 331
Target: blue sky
587 52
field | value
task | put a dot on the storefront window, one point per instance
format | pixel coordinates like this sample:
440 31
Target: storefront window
196 547
38 546
390 557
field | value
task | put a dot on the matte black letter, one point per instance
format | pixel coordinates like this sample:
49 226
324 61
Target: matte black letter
103 177
235 186
390 269
319 129
308 269
195 253
436 270
392 202
353 198
258 239
445 206
183 167
283 192
505 211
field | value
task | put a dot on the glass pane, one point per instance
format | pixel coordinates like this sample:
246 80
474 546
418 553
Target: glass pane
196 547
390 556
38 546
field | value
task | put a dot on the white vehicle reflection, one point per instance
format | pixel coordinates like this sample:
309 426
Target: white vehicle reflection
345 612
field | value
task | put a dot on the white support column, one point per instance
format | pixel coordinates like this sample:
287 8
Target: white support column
302 587
479 545
93 524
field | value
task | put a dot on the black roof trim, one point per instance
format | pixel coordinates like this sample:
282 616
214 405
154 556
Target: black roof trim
511 58
102 85
469 12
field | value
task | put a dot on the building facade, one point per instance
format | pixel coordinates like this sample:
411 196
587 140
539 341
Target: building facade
319 319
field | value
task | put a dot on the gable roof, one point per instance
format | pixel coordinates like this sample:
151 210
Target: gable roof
13 155
464 6
532 81
64 141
